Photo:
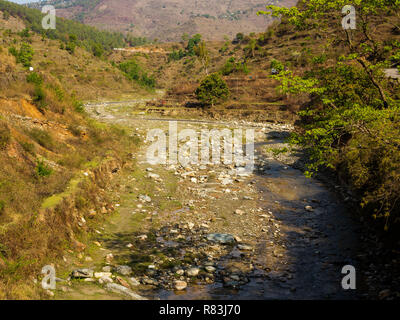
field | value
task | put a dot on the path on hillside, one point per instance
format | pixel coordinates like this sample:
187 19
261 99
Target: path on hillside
287 237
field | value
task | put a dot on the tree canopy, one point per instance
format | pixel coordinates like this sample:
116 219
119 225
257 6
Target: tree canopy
351 122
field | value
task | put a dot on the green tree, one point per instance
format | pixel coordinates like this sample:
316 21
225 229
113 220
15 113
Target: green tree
192 43
351 122
24 55
212 89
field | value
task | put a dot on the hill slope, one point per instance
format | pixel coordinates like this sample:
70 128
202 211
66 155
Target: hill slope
167 20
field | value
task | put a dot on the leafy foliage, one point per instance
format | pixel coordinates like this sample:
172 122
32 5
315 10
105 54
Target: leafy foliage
231 66
34 78
351 123
24 55
42 169
192 48
212 90
134 71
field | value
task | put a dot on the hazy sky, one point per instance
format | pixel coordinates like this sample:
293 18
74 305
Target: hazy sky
23 1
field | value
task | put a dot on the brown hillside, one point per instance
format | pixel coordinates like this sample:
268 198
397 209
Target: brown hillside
168 20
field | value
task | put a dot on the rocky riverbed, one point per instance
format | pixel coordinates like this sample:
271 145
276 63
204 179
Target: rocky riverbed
215 231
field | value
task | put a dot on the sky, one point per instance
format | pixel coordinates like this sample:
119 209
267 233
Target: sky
23 1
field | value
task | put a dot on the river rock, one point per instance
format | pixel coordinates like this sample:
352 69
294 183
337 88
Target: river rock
124 270
144 198
82 273
133 282
105 279
117 288
180 272
109 257
192 272
222 238
226 181
245 247
153 176
180 285
150 282
99 275
210 269
106 269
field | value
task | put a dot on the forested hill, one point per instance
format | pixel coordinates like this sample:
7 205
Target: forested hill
88 37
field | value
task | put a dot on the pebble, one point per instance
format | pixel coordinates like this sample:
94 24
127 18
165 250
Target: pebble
50 293
82 273
109 257
104 280
239 212
192 272
210 269
124 270
144 198
106 269
133 282
99 275
244 247
180 285
226 181
221 238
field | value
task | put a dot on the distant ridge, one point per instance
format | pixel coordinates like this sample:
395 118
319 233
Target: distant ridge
168 20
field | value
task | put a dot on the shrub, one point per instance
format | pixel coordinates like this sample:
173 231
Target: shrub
70 47
212 89
34 78
232 66
277 65
192 44
42 169
25 55
133 71
239 38
176 55
78 106
24 33
39 97
228 67
97 50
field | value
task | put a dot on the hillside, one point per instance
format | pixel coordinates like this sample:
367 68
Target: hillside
54 160
168 20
